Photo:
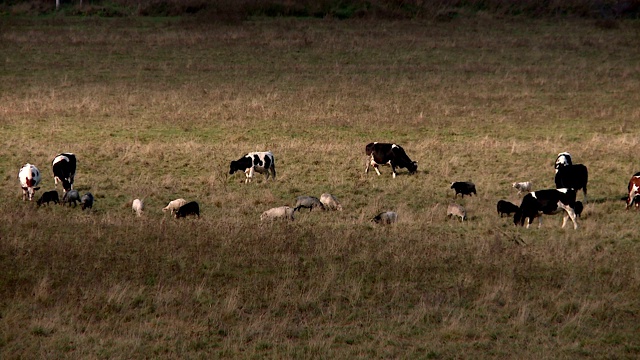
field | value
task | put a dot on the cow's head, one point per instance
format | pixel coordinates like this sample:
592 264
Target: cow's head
233 167
563 159
412 167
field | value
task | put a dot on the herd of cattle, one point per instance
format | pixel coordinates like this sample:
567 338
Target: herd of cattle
569 179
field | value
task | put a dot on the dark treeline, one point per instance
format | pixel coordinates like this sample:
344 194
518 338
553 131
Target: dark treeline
238 10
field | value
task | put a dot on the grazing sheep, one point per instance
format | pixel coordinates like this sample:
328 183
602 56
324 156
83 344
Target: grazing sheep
86 201
137 206
387 217
456 210
71 196
191 208
282 212
330 202
506 207
174 205
522 186
464 188
309 202
49 196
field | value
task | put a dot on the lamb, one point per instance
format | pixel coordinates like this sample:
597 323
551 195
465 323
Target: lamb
282 212
330 202
137 206
48 197
387 217
191 208
522 186
506 207
86 201
464 188
174 205
456 210
309 202
71 196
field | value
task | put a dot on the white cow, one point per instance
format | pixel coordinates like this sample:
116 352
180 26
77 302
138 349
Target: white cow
29 177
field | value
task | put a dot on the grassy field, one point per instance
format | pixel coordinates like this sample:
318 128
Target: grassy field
157 108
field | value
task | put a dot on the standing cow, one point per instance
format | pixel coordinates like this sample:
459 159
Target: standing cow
29 177
634 190
261 162
64 170
547 202
388 154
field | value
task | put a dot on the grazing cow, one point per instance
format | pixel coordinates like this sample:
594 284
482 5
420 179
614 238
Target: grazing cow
522 186
309 202
190 208
64 170
330 202
573 177
388 154
456 210
71 196
29 177
548 202
281 212
634 190
387 217
86 201
48 197
261 162
174 205
563 159
463 188
137 206
506 207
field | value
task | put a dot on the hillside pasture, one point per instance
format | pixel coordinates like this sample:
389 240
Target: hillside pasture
157 108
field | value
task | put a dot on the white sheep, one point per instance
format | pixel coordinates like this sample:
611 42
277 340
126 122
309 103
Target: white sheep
138 206
456 210
174 205
282 212
524 186
330 202
387 217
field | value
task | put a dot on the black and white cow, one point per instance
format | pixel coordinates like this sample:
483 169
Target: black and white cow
29 177
634 190
64 170
563 159
547 202
388 154
573 177
261 162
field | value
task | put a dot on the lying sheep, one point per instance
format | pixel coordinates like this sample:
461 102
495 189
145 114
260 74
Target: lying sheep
137 206
309 202
387 217
48 197
71 196
174 205
506 207
191 208
330 202
282 212
522 186
86 201
456 210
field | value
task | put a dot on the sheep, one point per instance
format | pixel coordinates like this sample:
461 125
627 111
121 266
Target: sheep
524 186
137 206
456 210
191 208
174 205
330 202
86 201
506 207
71 196
310 202
387 217
282 212
49 196
464 188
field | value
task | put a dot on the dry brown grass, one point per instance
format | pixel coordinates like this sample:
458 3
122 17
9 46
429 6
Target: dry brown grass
156 109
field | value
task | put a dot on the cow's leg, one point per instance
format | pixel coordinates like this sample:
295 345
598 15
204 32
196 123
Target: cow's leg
249 174
55 181
375 167
273 171
393 169
539 221
584 191
528 222
366 170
